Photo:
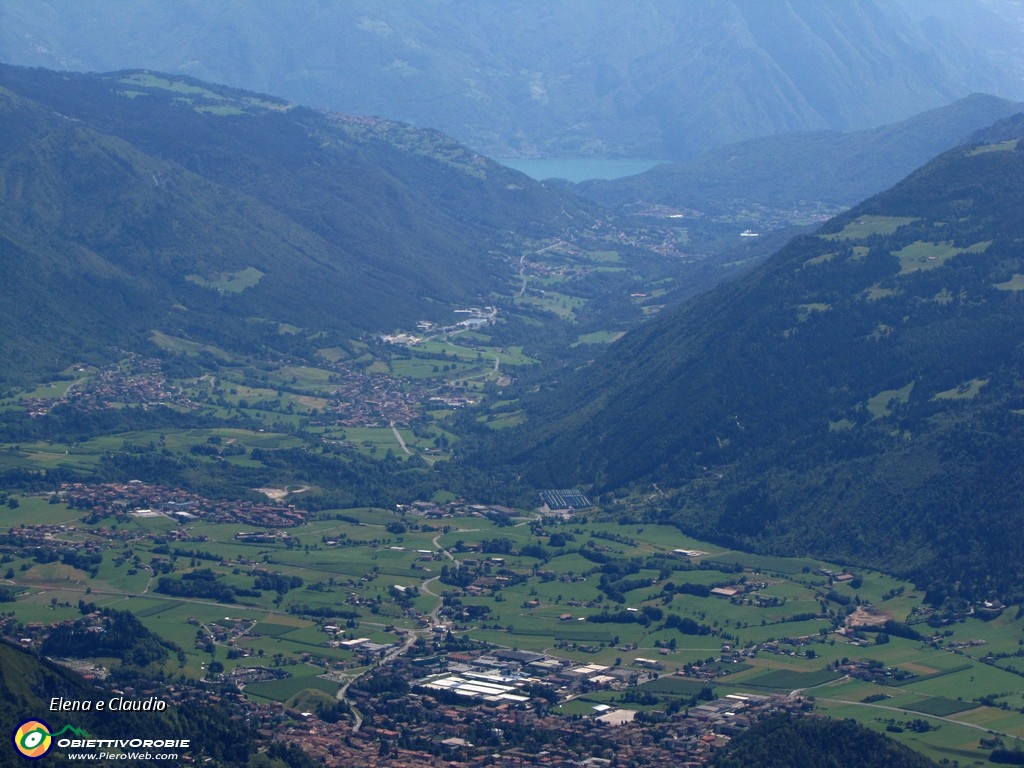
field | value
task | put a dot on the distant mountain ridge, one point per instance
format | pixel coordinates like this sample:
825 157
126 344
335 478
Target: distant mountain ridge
653 79
794 171
857 396
134 201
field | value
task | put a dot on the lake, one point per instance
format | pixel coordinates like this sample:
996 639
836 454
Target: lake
577 169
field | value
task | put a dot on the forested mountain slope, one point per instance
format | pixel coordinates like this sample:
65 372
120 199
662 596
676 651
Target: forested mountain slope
858 396
134 202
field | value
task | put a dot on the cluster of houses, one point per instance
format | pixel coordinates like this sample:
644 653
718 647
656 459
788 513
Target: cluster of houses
136 381
501 693
139 499
374 399
433 510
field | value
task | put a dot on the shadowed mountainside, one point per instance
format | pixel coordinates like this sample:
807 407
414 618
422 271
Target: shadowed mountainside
858 396
135 202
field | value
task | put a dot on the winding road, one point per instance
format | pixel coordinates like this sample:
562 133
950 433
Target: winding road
411 636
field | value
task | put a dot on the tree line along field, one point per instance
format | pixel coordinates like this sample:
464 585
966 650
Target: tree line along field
537 584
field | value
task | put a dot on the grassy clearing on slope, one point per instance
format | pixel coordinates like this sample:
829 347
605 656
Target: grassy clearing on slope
864 226
922 255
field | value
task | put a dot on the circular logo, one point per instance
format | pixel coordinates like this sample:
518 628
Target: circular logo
32 739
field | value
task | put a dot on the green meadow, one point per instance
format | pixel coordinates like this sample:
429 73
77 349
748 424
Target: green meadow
865 226
922 255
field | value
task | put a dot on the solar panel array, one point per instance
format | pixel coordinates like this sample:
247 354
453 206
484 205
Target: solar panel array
569 498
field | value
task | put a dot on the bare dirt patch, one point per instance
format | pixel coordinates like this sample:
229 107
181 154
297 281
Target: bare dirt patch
278 494
867 617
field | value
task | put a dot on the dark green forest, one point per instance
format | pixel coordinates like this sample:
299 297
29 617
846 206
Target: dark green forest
815 742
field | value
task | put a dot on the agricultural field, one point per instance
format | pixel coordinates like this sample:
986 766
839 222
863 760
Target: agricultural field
381 576
374 398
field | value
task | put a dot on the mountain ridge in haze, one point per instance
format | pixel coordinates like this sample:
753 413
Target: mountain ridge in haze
653 80
792 171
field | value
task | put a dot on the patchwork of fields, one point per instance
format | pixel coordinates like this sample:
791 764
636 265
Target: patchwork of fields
598 593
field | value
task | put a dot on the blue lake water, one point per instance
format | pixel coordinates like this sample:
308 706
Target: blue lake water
577 168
